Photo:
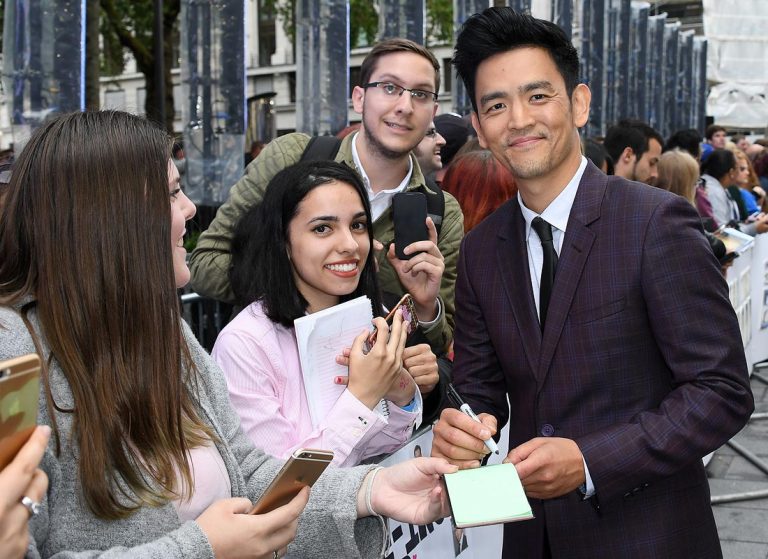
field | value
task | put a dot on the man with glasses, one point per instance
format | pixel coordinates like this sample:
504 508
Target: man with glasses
397 100
428 151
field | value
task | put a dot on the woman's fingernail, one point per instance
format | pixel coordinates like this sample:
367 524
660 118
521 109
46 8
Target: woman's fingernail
337 380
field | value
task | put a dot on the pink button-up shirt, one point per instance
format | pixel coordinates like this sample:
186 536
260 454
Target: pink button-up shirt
260 360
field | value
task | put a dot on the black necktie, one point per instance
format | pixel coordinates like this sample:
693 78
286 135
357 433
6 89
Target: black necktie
544 231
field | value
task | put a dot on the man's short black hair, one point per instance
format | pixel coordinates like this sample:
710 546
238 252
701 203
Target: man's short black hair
597 154
498 30
687 140
632 133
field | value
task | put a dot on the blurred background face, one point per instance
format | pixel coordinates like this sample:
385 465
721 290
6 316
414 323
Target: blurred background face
428 151
718 140
646 169
742 173
743 144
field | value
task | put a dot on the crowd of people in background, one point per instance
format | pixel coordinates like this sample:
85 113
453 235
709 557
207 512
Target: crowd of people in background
168 465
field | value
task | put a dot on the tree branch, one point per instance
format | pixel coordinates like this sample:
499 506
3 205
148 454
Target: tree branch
144 58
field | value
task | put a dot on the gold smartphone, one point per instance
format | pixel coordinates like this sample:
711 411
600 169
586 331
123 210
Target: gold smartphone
19 393
301 470
410 320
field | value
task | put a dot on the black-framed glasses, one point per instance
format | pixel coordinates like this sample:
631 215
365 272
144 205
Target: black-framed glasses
392 90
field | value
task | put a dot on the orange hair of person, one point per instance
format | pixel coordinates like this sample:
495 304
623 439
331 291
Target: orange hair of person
480 183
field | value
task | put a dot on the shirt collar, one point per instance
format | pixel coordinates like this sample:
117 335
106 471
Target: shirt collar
360 169
558 211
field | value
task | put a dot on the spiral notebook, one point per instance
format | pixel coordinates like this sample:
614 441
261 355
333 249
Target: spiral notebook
321 336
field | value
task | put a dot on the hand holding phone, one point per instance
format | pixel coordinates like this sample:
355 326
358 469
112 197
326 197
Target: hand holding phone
409 214
301 470
19 392
410 320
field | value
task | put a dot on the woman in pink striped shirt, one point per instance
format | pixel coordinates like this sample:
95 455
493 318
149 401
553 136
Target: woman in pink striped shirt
305 248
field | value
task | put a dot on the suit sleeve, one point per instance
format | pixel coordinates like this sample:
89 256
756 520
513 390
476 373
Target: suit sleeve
697 333
477 374
210 261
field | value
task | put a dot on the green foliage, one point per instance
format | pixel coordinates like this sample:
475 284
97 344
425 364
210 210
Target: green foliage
363 19
113 56
284 10
440 20
363 23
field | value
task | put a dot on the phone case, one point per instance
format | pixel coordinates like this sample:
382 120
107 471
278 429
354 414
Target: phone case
301 470
19 392
410 319
409 214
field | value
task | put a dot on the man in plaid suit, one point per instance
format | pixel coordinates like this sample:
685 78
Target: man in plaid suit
622 370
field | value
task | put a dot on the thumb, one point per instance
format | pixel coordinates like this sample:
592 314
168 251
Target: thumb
235 505
358 343
290 511
523 451
432 230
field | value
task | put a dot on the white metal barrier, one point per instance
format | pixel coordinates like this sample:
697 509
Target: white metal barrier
748 289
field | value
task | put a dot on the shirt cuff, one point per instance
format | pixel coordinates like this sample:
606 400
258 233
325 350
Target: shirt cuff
588 488
410 405
428 325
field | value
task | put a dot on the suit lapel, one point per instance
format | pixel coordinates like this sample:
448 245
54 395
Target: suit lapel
512 258
573 256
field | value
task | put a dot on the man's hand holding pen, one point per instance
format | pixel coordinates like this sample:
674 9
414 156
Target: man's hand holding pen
462 437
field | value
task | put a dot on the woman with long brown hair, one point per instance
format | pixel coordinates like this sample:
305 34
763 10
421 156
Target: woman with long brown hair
147 457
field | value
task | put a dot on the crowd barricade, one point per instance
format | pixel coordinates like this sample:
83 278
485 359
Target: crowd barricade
748 290
207 317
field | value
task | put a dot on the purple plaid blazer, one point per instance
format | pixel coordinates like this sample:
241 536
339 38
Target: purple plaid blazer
641 363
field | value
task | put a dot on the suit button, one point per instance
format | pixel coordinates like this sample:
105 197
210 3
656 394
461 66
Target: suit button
547 430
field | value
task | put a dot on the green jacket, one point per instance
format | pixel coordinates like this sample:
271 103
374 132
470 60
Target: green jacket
210 261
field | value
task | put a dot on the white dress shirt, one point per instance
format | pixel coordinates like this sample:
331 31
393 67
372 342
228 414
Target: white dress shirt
556 214
381 200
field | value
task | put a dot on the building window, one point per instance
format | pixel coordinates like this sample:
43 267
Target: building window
267 34
354 79
115 99
292 86
447 75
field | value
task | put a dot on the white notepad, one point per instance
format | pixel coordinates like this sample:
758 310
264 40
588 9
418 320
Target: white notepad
321 336
487 495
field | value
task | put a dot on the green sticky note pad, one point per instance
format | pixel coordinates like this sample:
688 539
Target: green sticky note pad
487 495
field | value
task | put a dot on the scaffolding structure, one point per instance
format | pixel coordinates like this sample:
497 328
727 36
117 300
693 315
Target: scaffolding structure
213 87
641 66
43 70
636 62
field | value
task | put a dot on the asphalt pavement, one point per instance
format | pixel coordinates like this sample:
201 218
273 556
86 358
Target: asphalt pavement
743 523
